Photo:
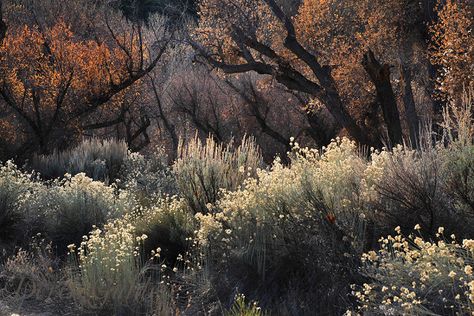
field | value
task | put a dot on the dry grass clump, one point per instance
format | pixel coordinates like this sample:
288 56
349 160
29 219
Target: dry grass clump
99 159
33 278
432 186
203 169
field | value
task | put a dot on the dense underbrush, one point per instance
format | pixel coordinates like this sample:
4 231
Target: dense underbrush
336 230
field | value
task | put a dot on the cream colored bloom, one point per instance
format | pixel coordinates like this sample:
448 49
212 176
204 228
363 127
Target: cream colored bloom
468 270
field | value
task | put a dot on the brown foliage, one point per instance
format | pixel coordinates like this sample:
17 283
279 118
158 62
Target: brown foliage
453 47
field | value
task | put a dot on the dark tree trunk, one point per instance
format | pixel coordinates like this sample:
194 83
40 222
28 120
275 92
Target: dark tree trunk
409 103
380 77
3 25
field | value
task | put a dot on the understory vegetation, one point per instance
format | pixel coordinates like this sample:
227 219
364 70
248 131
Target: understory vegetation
341 229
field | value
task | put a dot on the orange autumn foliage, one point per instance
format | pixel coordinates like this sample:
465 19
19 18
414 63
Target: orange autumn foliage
51 79
453 47
39 65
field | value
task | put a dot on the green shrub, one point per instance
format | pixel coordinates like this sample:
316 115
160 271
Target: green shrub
98 159
241 308
202 170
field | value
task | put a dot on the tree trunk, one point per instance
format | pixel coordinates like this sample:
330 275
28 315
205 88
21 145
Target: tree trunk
3 25
380 77
409 103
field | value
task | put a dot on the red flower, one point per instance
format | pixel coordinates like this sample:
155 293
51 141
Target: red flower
331 218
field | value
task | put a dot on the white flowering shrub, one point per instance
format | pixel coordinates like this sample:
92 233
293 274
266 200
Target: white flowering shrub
203 169
169 225
73 205
414 276
100 159
16 189
147 177
303 219
108 273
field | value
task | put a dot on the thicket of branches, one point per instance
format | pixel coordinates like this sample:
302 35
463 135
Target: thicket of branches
149 72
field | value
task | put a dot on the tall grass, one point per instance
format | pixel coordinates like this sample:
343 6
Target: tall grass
203 169
108 274
100 159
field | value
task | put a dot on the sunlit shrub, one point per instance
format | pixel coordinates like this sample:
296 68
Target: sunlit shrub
304 221
108 273
16 189
203 169
147 176
73 205
99 159
414 276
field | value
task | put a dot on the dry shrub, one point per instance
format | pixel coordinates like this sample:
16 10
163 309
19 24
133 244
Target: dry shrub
99 159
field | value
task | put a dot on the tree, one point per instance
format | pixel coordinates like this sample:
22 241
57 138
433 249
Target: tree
453 47
55 83
339 52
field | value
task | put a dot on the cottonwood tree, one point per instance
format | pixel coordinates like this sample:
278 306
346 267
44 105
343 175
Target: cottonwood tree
453 47
281 114
55 83
339 52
